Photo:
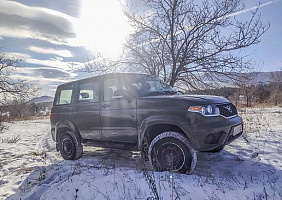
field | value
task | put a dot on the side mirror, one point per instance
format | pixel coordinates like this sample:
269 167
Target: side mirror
84 95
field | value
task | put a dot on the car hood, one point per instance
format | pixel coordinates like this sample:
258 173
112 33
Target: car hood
194 99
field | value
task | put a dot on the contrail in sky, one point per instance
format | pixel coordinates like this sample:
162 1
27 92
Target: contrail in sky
253 8
230 15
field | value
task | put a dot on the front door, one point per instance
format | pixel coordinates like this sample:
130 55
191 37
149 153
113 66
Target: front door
118 112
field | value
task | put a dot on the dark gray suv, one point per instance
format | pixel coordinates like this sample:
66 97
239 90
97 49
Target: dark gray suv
140 112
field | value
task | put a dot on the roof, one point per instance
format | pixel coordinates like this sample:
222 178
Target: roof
109 74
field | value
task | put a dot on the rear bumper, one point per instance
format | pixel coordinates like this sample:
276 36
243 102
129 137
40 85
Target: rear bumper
213 134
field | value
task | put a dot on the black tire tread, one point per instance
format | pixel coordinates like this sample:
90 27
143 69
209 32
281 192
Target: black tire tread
178 136
78 145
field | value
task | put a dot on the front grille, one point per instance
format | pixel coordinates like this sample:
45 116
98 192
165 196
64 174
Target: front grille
227 110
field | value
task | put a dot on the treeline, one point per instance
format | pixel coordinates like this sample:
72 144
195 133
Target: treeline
19 109
250 95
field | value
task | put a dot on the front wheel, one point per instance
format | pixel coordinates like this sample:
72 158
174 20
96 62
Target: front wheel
69 146
171 151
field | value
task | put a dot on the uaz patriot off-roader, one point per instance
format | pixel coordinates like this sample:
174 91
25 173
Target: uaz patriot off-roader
140 112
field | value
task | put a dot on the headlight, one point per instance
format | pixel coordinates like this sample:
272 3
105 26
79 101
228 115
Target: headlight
206 110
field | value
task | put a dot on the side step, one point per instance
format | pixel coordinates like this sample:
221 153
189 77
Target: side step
113 145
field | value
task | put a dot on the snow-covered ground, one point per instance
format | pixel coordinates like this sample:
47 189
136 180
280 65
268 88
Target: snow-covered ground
249 168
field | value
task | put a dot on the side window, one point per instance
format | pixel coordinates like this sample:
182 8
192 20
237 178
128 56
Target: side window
89 92
113 88
64 96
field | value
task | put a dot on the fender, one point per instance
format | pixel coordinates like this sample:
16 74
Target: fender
162 119
68 125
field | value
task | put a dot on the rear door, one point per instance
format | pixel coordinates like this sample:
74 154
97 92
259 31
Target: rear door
87 116
118 111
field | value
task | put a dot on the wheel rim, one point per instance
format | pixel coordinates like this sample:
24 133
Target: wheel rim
67 147
171 157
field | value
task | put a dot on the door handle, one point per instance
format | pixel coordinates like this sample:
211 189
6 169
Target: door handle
106 105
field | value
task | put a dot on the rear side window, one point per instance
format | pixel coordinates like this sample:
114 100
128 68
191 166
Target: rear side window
89 92
65 95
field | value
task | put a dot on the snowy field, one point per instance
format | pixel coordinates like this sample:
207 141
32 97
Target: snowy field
249 168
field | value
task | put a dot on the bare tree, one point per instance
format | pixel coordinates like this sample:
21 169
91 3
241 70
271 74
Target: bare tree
99 65
9 85
191 41
276 79
12 87
246 87
19 107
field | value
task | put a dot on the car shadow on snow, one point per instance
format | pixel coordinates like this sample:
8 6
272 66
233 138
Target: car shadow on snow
224 167
113 157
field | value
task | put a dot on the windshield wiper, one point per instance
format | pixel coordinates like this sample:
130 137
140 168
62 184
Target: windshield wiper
161 92
170 92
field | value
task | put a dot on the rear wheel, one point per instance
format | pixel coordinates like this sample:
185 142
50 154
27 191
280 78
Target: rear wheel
69 147
171 151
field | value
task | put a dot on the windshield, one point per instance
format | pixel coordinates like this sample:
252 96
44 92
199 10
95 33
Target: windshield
149 86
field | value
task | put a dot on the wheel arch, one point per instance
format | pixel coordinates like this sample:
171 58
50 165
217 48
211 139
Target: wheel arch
154 126
64 126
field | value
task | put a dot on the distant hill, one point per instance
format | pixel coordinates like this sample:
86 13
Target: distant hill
42 99
256 79
262 78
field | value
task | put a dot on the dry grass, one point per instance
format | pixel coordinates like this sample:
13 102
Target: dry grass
13 139
27 118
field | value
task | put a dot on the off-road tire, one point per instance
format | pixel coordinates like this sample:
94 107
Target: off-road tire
69 146
172 147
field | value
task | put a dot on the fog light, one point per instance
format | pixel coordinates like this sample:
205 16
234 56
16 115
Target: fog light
213 138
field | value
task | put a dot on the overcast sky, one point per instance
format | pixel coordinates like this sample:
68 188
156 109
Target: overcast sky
52 35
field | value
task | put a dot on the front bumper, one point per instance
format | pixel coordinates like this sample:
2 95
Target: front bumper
213 133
